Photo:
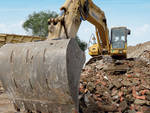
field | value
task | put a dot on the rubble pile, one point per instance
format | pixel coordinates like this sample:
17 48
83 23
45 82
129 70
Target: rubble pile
145 56
104 91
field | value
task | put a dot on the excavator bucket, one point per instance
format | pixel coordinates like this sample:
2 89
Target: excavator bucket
42 76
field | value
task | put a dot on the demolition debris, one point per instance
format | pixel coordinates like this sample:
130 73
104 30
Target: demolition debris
116 91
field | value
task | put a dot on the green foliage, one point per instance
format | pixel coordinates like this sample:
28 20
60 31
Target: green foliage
37 23
82 44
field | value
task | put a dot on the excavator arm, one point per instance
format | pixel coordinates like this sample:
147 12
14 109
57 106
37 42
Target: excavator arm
97 17
75 11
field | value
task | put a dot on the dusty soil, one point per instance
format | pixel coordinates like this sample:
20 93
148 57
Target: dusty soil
135 51
5 104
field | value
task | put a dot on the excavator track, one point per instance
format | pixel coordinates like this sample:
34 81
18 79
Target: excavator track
44 76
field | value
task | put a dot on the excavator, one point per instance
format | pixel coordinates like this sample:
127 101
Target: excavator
43 76
118 44
116 56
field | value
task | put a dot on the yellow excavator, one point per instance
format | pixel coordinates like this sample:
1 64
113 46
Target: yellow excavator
44 76
117 47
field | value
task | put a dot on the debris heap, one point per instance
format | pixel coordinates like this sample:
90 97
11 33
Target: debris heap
104 91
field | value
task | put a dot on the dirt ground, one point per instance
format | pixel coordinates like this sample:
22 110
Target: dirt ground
5 104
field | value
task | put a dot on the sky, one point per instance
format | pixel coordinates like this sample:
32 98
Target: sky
135 14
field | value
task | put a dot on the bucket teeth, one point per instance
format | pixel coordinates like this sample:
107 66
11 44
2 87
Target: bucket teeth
42 76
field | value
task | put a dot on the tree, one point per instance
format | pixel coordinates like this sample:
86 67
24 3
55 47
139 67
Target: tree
82 44
37 24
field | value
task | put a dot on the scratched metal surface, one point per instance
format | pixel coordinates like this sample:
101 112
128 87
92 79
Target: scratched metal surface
42 76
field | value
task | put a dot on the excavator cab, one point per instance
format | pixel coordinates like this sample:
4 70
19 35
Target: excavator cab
118 43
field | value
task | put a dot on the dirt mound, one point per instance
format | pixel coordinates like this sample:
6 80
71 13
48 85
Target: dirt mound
135 51
106 92
5 105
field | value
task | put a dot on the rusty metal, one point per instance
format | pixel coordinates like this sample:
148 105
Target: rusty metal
42 76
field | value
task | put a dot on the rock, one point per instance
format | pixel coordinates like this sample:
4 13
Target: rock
123 106
126 83
140 102
114 92
137 75
148 97
117 84
131 111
